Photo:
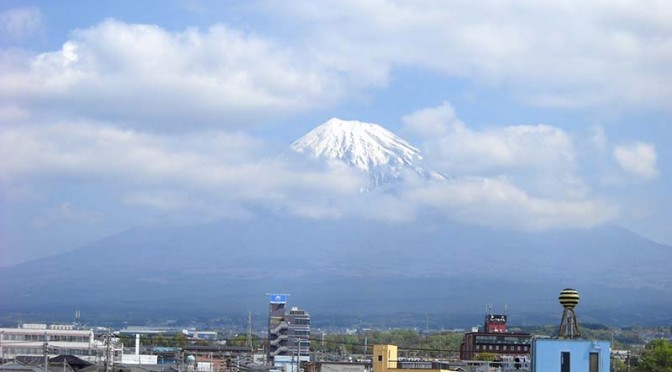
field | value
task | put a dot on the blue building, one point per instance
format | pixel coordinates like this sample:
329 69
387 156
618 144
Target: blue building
568 352
288 334
570 355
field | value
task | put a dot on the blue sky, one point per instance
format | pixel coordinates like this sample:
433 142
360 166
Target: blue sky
114 115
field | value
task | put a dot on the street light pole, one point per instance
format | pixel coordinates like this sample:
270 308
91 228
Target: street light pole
45 352
611 353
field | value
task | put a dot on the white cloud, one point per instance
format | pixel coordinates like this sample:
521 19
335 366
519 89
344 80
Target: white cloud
638 159
67 212
599 137
541 159
455 148
20 23
499 203
91 112
146 76
431 122
200 177
206 171
567 54
10 114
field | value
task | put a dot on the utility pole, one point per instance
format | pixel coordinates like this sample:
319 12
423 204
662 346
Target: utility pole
45 352
248 342
297 351
108 360
628 356
611 356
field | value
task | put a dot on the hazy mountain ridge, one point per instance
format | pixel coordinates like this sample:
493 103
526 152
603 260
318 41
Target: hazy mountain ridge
363 264
431 264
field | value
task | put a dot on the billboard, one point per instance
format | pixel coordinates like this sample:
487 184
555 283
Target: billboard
277 298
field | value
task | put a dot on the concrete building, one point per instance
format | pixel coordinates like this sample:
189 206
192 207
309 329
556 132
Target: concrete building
338 367
201 335
288 334
218 357
35 339
385 359
495 339
298 333
277 327
137 358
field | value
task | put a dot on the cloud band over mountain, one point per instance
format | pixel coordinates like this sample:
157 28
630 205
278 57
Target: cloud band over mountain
111 121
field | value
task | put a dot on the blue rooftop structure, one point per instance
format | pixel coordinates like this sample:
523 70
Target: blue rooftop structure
570 355
568 352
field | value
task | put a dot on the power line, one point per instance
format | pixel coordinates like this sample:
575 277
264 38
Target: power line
357 344
321 340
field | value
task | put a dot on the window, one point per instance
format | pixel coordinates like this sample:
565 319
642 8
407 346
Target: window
594 362
380 358
564 361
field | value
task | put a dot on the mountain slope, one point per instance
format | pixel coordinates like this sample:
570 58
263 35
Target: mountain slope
352 266
365 146
348 266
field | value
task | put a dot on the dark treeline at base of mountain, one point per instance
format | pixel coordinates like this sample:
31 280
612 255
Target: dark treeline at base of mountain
376 317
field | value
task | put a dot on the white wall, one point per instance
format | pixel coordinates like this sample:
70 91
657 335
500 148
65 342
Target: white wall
139 359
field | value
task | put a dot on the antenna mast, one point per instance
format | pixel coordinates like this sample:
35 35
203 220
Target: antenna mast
78 321
248 341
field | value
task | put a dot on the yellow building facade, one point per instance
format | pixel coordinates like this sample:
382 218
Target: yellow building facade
385 360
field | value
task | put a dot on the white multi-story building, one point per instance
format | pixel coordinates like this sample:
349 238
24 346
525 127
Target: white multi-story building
33 339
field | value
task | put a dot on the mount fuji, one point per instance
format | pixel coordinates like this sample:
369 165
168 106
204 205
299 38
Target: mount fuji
351 267
385 157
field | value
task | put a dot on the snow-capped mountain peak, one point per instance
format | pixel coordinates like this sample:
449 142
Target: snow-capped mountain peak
368 147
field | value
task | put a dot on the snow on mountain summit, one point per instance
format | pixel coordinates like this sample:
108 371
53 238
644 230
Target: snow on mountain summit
368 147
362 145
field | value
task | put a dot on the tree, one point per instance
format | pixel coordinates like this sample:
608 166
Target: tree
179 340
657 357
237 340
619 366
126 340
485 356
159 340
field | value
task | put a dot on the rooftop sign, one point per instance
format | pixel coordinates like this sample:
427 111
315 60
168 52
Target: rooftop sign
277 298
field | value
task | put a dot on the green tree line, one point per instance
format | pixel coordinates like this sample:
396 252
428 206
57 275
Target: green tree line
410 343
176 340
